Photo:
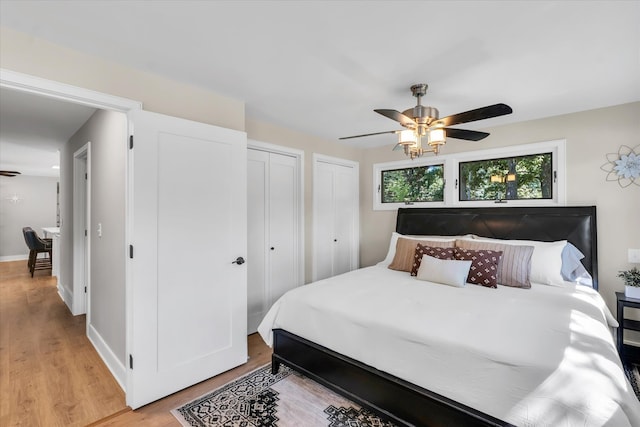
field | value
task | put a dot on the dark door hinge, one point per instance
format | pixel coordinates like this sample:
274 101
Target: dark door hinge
130 362
85 233
85 289
130 142
86 176
130 251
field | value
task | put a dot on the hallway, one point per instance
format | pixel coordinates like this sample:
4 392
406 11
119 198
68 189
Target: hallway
50 374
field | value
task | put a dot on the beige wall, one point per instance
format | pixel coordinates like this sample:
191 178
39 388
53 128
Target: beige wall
590 135
265 132
25 54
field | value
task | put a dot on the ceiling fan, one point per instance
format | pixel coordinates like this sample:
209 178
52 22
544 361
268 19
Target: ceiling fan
422 120
9 173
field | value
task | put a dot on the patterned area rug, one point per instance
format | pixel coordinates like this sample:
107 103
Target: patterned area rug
261 399
633 373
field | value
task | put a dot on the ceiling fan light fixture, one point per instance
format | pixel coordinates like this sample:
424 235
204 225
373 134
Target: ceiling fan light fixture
436 136
424 121
408 137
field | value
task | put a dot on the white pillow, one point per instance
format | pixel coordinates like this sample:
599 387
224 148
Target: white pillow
546 261
391 253
445 271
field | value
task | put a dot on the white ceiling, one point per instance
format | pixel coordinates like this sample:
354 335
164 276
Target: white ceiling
321 67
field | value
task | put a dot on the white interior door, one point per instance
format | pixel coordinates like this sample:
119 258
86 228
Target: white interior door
81 208
186 300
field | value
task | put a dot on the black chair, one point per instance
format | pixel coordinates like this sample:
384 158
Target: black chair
37 246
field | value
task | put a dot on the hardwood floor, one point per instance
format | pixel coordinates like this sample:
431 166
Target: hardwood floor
50 374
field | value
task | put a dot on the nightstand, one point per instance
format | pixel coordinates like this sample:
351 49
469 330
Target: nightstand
627 352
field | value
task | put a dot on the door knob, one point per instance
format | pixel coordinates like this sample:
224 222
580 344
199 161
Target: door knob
238 261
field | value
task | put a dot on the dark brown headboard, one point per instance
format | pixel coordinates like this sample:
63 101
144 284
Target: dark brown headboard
577 224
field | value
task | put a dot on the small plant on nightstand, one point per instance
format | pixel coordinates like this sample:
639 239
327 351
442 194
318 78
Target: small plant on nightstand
631 280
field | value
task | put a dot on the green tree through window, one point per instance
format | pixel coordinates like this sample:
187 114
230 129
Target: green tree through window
511 178
409 185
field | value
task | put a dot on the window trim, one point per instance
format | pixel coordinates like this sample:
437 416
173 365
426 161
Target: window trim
451 164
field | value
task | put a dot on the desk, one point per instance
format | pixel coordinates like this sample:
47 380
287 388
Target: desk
53 233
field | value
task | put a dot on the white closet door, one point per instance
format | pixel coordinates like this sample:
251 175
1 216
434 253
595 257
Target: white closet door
324 214
273 231
344 205
257 205
283 254
336 222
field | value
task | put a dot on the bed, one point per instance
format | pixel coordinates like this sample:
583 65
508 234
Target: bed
430 354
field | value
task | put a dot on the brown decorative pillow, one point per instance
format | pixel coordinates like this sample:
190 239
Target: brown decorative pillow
405 251
515 265
484 265
436 252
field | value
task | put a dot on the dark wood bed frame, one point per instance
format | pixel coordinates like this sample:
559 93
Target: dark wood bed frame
397 400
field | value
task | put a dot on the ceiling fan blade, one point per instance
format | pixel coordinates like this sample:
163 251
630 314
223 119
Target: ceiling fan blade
369 134
398 117
9 173
469 135
488 112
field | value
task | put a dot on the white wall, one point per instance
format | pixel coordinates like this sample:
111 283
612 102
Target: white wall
590 135
35 207
107 131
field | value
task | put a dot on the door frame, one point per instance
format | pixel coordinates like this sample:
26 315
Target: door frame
299 156
52 89
81 238
355 249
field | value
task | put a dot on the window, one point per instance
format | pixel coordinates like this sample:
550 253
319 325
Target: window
417 184
520 175
508 178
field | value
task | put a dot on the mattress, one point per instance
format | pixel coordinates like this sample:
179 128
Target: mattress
539 356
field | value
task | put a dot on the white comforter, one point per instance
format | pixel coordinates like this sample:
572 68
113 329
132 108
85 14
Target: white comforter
542 356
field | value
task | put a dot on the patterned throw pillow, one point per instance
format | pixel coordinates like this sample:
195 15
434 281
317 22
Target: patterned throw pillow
421 250
484 265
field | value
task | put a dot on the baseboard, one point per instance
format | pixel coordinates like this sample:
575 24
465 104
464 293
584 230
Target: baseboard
8 258
66 296
117 369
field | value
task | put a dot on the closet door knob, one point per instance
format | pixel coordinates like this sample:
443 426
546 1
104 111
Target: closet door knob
238 261
272 248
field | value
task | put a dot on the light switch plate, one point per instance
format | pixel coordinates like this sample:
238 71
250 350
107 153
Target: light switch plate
634 256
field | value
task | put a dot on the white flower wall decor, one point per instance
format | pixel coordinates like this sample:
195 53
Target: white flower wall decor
623 166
